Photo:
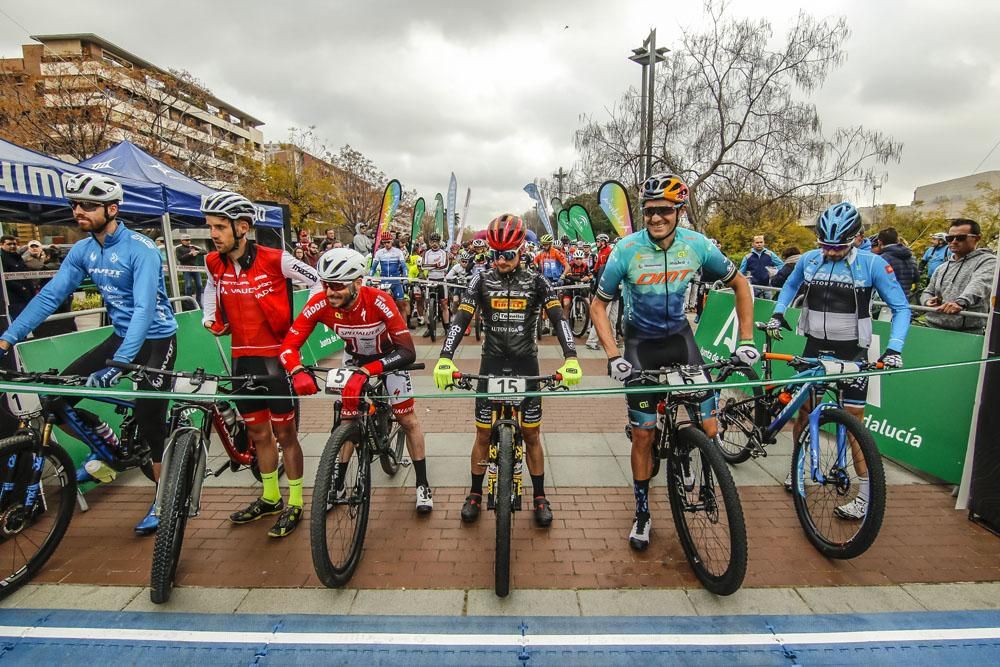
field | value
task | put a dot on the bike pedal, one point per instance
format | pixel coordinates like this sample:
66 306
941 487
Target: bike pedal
406 462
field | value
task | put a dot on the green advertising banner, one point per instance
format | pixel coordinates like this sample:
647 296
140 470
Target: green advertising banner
563 227
580 222
921 419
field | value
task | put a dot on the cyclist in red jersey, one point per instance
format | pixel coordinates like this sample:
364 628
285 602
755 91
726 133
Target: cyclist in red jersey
377 341
249 296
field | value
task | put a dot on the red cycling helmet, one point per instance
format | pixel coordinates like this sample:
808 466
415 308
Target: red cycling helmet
386 236
505 232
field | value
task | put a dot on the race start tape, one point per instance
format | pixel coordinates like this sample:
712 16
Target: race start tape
90 392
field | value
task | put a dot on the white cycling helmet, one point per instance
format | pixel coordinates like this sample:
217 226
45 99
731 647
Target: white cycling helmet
227 205
341 265
579 254
92 187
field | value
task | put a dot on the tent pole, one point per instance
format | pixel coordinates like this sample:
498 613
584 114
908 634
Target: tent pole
168 241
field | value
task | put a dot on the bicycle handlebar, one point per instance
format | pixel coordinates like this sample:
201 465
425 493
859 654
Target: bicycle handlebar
547 382
199 374
419 366
50 376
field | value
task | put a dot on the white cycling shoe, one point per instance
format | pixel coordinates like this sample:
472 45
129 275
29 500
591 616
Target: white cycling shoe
425 499
638 539
855 510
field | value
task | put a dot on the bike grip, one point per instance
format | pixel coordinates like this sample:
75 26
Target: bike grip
122 365
456 375
879 365
419 366
760 325
558 377
778 357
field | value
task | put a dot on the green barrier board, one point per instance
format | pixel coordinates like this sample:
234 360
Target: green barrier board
921 419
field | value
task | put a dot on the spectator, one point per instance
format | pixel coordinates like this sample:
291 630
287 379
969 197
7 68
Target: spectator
864 243
791 257
330 241
190 255
312 256
19 292
899 257
362 243
759 265
161 246
34 256
299 254
964 282
936 255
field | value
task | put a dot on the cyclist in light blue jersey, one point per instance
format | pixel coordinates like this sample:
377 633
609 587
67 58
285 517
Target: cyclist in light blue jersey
389 261
126 268
837 281
653 268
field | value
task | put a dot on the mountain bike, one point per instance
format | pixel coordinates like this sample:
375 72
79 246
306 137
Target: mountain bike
828 456
506 452
704 501
185 458
341 498
576 309
432 306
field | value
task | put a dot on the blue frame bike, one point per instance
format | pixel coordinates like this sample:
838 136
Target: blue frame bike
829 457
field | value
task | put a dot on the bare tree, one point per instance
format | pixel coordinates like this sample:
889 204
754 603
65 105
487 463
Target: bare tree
727 119
361 184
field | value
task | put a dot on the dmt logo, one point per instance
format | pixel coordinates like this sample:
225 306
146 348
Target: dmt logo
504 304
661 277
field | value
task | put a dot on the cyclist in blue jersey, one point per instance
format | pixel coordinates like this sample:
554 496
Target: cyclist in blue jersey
389 261
126 268
836 281
653 268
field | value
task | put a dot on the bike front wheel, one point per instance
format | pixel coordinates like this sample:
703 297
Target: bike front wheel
707 512
737 410
432 316
836 517
33 520
340 505
504 495
178 482
580 318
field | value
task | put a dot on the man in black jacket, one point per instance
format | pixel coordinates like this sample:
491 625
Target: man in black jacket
19 292
899 257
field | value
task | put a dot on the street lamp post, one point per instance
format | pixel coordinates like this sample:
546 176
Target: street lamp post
647 56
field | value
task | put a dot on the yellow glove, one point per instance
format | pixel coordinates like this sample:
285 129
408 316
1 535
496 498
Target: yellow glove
571 373
443 373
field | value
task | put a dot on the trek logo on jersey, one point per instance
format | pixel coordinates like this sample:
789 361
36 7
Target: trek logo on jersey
505 304
656 278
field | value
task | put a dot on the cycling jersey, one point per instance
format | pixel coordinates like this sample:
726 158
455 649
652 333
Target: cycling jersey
436 263
389 263
654 281
254 297
372 329
128 272
837 300
578 270
551 264
510 304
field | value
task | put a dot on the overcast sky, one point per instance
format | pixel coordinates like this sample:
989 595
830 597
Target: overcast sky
494 91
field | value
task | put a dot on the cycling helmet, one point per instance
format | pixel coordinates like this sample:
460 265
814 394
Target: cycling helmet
547 238
603 237
340 265
579 254
386 236
478 246
839 224
435 237
564 239
665 186
464 257
227 205
938 236
92 187
506 232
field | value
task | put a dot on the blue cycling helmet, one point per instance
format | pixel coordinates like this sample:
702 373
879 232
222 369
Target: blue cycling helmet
839 224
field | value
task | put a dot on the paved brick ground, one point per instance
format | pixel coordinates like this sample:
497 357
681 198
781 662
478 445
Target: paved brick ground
923 540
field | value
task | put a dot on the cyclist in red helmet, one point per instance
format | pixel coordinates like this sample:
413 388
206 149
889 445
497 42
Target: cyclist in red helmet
511 298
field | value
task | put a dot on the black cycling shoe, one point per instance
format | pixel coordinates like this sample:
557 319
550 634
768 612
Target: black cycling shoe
257 509
543 515
287 522
470 510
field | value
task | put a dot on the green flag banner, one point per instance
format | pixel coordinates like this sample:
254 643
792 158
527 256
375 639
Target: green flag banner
439 214
563 224
418 216
579 220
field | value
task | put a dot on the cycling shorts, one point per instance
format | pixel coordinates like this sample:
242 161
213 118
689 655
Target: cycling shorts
855 390
398 386
531 408
678 348
396 290
278 410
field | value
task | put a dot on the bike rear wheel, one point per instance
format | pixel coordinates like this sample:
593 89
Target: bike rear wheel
504 510
580 321
707 512
736 414
816 503
29 535
178 482
340 505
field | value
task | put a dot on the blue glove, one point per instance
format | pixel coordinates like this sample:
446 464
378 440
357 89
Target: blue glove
104 378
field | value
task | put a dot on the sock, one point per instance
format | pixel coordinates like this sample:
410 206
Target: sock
295 492
272 493
863 488
641 488
538 485
420 467
477 483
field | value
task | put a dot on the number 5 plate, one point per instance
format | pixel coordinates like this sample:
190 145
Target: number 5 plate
337 379
506 385
24 405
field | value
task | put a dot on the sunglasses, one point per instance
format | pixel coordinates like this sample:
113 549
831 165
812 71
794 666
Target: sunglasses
834 246
87 206
335 286
661 211
506 255
959 237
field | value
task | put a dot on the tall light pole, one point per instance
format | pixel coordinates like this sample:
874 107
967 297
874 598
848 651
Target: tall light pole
560 176
647 55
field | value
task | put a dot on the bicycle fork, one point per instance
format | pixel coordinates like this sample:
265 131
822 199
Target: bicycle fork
814 444
200 472
491 469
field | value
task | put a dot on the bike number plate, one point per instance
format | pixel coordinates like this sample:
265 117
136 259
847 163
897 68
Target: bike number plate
187 386
24 405
832 367
337 379
506 385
